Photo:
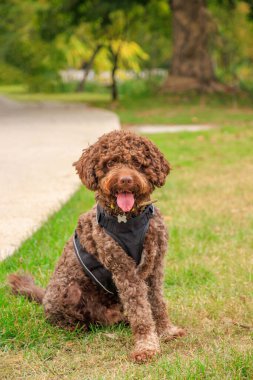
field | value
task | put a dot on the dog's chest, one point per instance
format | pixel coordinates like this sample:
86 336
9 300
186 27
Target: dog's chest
130 236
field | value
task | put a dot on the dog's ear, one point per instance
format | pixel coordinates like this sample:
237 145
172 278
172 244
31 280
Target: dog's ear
163 170
85 168
156 167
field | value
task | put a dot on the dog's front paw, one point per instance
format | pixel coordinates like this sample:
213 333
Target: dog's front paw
143 356
144 350
172 332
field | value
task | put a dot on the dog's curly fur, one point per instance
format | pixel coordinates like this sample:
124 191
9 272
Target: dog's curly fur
71 298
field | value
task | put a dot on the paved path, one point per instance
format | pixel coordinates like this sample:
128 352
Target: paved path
170 128
38 143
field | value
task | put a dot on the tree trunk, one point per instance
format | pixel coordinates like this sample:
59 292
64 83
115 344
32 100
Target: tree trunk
115 94
191 67
115 59
86 66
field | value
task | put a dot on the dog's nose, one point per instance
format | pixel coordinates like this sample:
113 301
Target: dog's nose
126 180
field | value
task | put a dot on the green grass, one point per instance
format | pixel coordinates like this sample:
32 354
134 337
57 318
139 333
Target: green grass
20 93
207 205
139 105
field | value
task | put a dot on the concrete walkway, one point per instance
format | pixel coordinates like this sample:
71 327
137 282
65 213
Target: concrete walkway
38 144
170 128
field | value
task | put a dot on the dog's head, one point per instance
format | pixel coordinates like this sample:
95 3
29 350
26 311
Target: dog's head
123 168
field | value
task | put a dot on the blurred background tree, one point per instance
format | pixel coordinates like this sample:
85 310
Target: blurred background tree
22 50
203 45
198 28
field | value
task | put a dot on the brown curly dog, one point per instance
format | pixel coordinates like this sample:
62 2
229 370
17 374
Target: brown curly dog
128 249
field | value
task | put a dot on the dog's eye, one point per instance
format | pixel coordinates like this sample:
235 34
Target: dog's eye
110 164
136 163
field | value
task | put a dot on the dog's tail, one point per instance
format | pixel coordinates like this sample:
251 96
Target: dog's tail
24 285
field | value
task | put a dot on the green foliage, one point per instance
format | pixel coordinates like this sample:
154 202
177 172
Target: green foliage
154 33
131 54
22 48
232 47
10 74
40 38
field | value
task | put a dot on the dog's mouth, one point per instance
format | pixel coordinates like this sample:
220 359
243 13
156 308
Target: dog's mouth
125 200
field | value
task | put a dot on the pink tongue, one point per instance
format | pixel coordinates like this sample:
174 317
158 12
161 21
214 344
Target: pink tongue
125 201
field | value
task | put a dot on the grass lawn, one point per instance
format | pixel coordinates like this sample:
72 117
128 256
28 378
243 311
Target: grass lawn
207 205
146 108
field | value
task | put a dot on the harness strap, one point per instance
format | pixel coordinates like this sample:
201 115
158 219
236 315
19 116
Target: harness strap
93 268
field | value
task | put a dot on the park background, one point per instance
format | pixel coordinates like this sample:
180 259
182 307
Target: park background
152 63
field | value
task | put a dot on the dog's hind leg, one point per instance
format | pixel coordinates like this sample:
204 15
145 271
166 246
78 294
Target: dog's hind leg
77 306
63 305
106 315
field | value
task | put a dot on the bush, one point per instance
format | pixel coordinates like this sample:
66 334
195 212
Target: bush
10 74
47 82
139 87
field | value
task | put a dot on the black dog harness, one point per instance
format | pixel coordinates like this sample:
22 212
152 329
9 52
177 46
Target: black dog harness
129 235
